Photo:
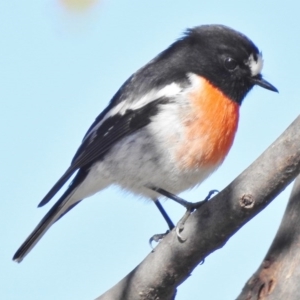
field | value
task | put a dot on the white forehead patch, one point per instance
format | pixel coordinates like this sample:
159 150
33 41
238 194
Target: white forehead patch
255 65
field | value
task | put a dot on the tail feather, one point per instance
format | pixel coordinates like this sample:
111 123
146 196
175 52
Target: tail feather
62 206
58 185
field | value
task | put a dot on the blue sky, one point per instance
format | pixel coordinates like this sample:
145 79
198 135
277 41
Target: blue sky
58 71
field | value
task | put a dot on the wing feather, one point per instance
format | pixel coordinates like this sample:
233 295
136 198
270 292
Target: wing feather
97 144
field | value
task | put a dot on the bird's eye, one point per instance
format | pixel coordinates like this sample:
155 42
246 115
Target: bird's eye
230 63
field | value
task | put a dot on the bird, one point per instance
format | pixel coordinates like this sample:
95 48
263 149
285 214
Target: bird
168 127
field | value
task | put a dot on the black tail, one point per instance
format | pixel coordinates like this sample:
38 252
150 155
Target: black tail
56 212
58 185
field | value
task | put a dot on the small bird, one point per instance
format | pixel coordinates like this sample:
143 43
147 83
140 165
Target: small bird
168 127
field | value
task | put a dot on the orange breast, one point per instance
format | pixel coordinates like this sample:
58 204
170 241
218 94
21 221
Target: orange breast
210 127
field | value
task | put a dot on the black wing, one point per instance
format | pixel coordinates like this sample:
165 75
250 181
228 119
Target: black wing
99 141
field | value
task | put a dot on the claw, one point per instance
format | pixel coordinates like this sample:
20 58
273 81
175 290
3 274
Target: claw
210 193
190 208
180 225
157 238
178 229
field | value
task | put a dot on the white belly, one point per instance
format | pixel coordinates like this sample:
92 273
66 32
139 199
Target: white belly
147 157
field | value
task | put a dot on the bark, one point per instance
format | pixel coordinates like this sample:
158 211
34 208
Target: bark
210 227
278 276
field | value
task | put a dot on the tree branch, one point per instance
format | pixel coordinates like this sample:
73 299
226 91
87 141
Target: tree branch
279 274
210 227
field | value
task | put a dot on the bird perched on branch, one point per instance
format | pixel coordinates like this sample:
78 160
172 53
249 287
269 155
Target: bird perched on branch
169 126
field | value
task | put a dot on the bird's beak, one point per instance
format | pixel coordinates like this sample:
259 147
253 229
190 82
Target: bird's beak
263 83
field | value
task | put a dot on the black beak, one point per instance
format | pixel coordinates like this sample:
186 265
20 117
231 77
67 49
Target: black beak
263 83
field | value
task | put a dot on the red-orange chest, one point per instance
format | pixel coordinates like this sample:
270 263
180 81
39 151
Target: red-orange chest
210 127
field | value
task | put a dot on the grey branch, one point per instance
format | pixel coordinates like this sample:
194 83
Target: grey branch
210 227
278 276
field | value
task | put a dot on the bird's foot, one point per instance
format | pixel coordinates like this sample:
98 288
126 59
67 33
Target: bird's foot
157 238
190 207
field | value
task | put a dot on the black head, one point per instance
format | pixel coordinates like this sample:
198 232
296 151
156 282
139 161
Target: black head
227 58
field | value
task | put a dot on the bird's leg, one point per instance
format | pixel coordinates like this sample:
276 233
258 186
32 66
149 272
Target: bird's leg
190 206
158 237
164 214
